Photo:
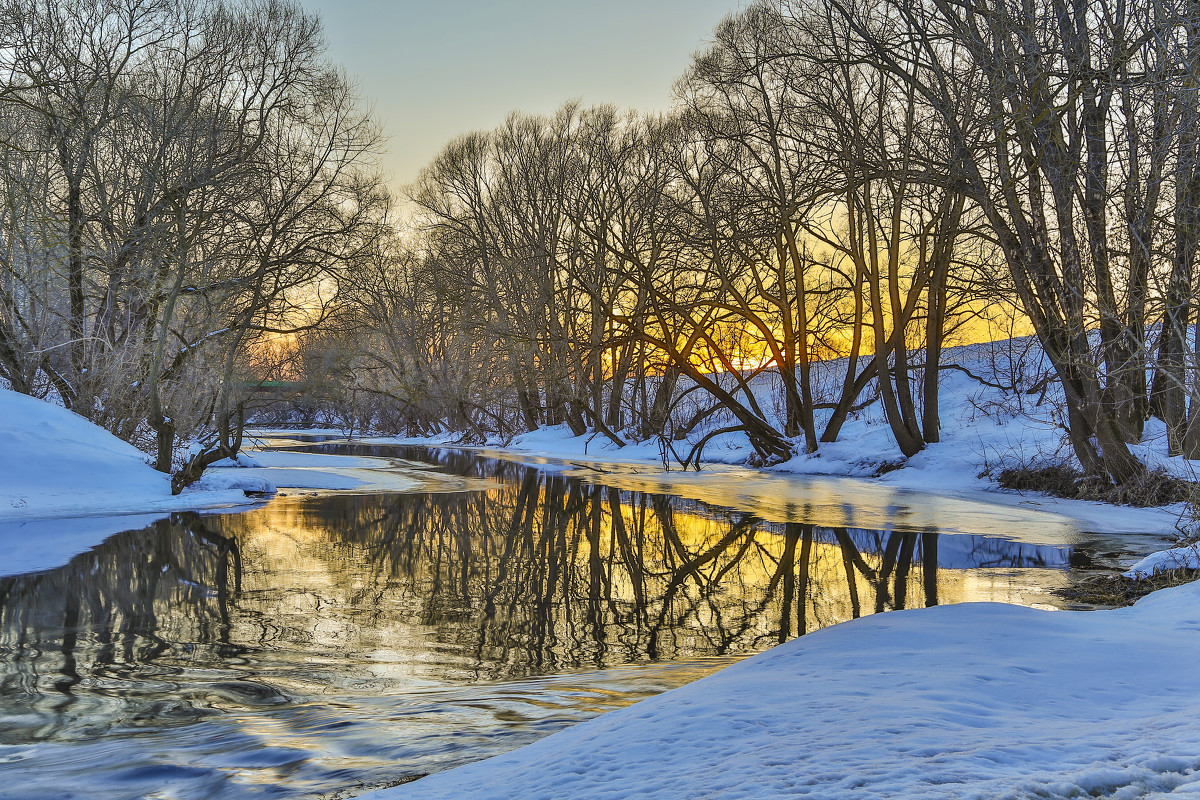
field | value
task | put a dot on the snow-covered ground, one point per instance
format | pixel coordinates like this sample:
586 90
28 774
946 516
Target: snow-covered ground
978 700
55 464
972 700
965 701
66 485
1187 557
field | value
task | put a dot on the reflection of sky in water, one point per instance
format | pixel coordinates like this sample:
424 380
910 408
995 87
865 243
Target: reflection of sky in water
321 643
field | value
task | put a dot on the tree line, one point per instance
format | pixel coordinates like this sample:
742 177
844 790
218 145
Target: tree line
841 188
839 178
178 178
678 275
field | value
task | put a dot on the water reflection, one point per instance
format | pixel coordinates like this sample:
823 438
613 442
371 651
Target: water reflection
112 631
333 640
545 574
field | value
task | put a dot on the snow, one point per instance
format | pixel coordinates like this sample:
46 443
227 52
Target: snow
290 470
1176 558
56 464
983 430
976 700
979 700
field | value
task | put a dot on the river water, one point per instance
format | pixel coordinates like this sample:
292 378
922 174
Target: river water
327 643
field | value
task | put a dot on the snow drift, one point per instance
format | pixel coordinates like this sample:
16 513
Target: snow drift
979 700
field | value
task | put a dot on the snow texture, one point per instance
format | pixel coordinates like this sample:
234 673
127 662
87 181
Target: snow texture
1165 560
289 470
977 700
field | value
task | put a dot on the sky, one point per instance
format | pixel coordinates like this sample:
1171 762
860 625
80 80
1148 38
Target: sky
432 70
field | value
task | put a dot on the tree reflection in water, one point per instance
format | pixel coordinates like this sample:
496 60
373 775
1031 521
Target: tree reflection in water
114 634
378 593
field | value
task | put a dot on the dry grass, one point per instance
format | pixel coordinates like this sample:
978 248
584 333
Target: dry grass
1117 590
1152 488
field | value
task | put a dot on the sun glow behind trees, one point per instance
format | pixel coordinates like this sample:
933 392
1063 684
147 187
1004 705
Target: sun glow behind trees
860 180
627 265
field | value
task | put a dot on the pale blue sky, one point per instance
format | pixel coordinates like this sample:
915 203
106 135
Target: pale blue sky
433 70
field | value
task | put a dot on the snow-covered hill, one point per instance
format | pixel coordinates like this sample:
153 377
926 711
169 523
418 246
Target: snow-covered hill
978 700
55 464
984 429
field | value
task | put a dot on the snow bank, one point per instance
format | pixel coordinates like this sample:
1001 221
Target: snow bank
967 701
54 464
1165 560
289 470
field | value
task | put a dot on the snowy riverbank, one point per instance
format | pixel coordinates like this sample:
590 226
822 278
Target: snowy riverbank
66 485
984 429
55 465
978 700
974 700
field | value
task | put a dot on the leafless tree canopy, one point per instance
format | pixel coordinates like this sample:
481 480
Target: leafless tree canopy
839 178
177 179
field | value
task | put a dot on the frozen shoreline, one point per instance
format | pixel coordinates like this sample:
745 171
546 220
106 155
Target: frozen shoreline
66 485
974 700
978 700
952 482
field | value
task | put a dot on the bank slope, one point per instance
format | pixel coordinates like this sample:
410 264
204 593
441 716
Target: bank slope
54 464
984 429
966 701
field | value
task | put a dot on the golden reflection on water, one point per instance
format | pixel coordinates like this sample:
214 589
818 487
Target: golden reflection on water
547 574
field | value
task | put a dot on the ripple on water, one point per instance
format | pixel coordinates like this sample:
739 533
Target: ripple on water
314 747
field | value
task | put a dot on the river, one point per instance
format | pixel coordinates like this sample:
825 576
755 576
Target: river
326 643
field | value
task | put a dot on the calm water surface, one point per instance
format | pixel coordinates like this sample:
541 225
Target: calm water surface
325 643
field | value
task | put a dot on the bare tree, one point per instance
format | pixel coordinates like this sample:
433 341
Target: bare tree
741 92
205 168
1028 98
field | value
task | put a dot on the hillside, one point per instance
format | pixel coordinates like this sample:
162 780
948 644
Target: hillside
56 464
